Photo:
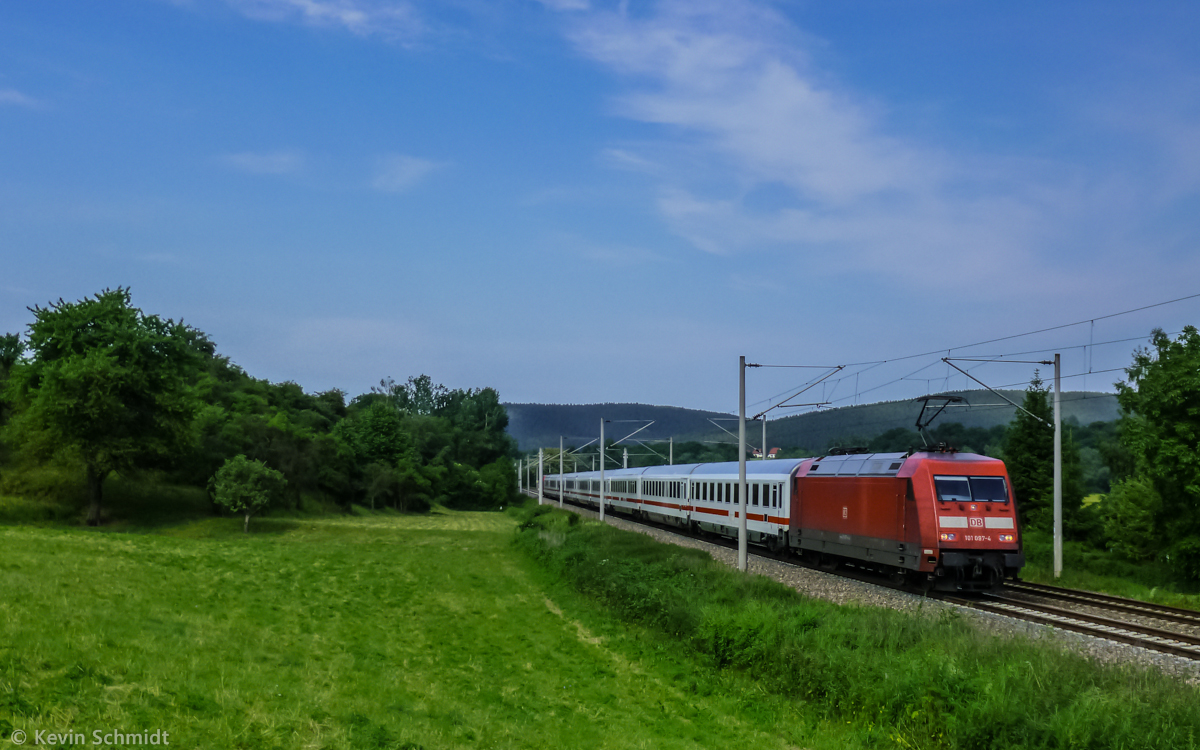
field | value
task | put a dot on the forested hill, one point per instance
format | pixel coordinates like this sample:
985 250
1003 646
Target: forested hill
540 425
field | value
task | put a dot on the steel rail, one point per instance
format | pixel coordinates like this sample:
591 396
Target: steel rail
1092 625
1119 603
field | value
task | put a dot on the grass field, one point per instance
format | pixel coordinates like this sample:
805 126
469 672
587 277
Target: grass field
438 631
353 632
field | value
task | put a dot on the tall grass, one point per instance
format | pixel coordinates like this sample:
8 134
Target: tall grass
41 494
923 681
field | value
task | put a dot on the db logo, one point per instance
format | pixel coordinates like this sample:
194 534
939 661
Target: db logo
975 522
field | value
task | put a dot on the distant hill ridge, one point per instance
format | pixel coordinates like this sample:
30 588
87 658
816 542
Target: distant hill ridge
540 425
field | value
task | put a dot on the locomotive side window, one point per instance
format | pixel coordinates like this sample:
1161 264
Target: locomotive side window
953 489
989 489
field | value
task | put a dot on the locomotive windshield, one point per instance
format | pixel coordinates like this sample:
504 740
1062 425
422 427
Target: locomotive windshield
971 489
989 490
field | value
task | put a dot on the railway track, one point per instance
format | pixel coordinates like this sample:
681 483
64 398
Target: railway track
1100 626
1116 603
1112 618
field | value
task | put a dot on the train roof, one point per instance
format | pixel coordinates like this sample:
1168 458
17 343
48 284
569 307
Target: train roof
776 467
858 465
850 464
779 467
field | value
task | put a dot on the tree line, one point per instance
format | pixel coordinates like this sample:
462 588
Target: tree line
99 387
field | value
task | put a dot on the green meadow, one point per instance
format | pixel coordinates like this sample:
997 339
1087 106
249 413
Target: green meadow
531 629
377 631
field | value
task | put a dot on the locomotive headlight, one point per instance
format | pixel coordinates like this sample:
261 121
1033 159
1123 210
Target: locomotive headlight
1007 537
948 537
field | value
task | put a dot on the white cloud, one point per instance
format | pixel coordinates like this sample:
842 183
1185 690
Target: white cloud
566 4
392 19
397 172
724 75
265 163
743 112
16 98
625 159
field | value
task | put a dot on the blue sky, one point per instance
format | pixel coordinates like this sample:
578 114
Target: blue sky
577 202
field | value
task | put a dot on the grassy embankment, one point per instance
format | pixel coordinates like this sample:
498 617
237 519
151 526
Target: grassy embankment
896 679
381 631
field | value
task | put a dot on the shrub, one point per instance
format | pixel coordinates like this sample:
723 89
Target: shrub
246 486
1130 510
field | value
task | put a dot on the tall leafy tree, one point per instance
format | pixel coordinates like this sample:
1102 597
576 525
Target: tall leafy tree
11 349
420 396
1161 428
104 385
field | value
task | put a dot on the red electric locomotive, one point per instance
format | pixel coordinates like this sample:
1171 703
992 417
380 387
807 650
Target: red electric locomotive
945 519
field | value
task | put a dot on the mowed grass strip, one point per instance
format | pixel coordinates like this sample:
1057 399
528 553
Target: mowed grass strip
358 632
